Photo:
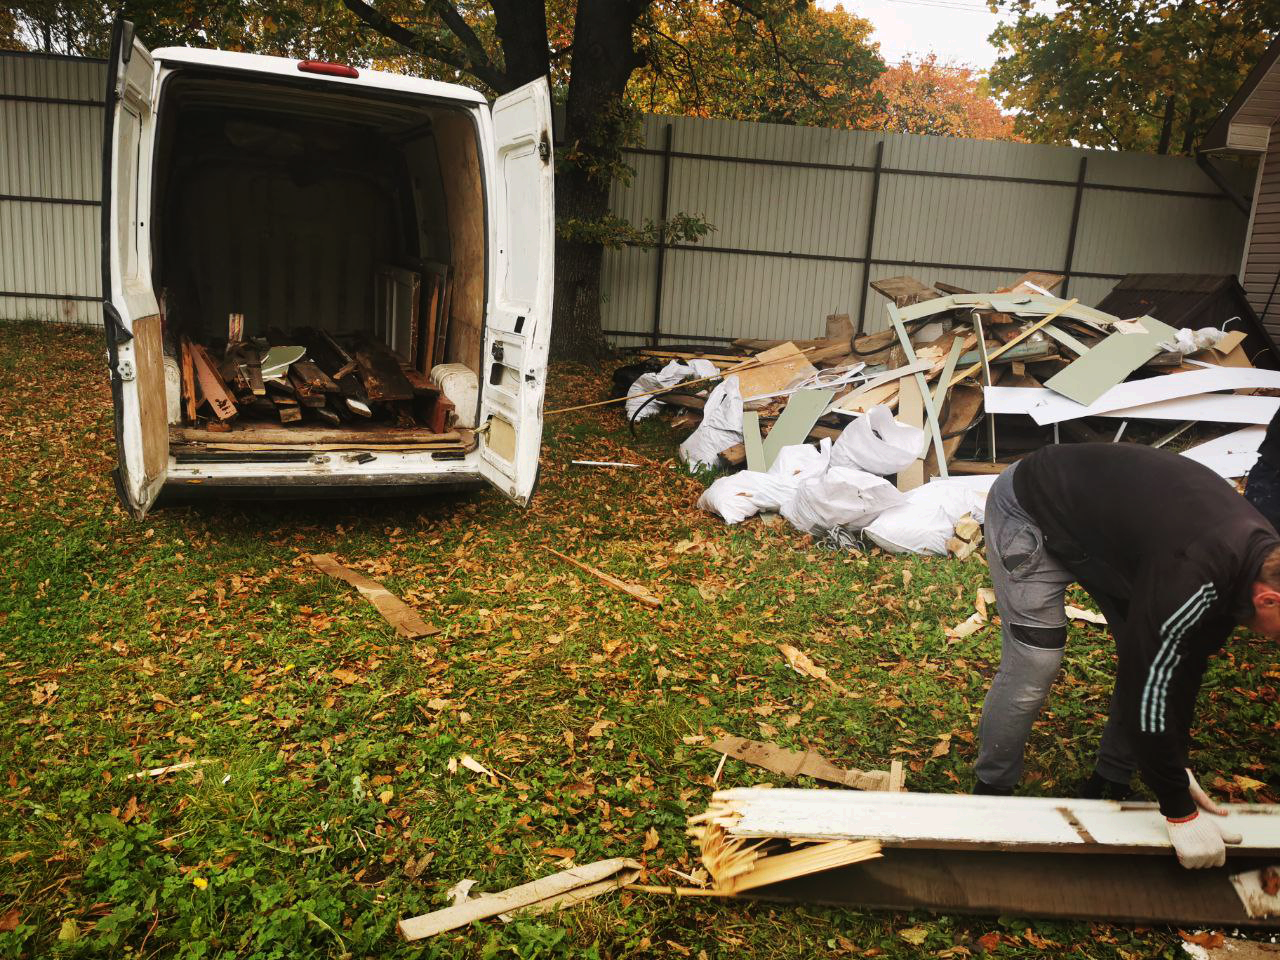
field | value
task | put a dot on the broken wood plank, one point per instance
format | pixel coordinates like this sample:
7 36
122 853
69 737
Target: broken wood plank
910 411
401 616
188 380
632 589
796 763
548 893
266 433
1043 321
903 291
212 389
380 370
772 371
310 373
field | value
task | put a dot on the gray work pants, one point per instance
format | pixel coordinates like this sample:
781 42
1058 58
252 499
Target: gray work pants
1030 587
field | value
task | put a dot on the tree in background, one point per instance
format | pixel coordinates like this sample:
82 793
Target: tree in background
9 30
1145 75
812 67
940 100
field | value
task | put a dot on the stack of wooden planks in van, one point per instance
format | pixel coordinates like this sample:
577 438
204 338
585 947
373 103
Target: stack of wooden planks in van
308 387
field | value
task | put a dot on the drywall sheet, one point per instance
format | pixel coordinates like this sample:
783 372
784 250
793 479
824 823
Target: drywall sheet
1125 888
1231 456
751 440
1087 378
1212 407
1046 407
802 412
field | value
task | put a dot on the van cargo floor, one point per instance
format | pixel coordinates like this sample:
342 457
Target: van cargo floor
268 437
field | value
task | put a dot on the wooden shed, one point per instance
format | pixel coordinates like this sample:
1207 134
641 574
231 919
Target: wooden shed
1250 125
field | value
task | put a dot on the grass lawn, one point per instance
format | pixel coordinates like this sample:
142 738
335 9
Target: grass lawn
325 809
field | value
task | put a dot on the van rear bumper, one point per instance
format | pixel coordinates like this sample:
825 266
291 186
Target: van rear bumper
315 487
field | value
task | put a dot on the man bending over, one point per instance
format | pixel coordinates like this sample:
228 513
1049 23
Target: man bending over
1175 559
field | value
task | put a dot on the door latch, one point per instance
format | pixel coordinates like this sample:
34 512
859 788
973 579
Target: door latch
496 351
125 369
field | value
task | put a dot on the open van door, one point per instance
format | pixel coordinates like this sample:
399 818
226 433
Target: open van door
518 327
130 313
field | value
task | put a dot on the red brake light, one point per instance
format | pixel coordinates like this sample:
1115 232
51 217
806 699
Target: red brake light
329 69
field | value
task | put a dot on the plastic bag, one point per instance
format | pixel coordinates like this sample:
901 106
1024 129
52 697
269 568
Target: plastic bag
928 517
1187 340
877 443
673 373
840 498
792 466
720 429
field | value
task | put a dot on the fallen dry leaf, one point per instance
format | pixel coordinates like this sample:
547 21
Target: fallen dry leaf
9 920
345 675
1209 939
598 728
942 748
1248 783
914 935
650 840
560 853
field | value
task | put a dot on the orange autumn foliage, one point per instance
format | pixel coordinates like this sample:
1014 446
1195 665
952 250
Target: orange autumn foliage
938 99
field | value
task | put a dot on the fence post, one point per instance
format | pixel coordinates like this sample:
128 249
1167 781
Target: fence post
662 238
1075 223
871 235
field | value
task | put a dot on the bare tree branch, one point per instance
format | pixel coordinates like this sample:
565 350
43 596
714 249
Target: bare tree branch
428 47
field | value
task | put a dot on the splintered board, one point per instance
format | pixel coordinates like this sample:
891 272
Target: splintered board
958 821
773 371
1121 888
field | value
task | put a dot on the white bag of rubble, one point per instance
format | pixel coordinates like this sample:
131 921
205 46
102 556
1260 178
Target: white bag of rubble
720 429
877 443
927 518
745 494
673 373
842 497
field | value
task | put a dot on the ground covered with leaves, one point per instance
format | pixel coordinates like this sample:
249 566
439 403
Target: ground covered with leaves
323 807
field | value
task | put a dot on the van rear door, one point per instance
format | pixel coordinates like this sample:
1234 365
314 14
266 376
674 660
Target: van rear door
518 324
131 315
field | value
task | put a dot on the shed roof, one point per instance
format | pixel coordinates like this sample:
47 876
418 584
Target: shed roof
1244 126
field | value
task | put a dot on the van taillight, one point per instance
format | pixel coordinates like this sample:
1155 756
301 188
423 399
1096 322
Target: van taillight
330 69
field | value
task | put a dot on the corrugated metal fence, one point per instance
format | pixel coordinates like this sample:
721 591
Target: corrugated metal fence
50 184
804 217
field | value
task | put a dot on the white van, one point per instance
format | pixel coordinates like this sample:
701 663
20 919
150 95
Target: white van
277 189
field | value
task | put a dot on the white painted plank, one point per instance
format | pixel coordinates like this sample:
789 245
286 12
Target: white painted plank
1230 456
1212 407
960 820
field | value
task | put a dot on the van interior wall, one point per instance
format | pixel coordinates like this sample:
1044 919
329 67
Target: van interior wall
282 219
462 177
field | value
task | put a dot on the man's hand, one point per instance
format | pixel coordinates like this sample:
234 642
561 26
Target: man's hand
1199 841
1203 800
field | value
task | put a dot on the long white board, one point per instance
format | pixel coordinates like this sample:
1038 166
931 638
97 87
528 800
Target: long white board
948 821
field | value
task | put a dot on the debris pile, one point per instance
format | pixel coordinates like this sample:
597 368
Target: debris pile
896 435
308 386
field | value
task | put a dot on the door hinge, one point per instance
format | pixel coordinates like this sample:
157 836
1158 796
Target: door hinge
496 351
544 148
124 368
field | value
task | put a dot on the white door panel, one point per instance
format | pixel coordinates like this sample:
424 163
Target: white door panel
518 324
135 351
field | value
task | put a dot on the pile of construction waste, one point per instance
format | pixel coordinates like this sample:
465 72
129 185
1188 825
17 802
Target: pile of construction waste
893 437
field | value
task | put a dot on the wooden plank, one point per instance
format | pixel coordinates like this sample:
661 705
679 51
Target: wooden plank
380 370
212 390
855 401
911 411
633 589
800 763
1120 888
970 371
401 616
802 411
188 380
548 891
310 373
964 821
1087 378
267 434
903 290
773 371
1041 279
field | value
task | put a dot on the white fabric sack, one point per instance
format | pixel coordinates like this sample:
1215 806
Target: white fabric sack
720 429
745 494
673 373
877 443
842 497
928 517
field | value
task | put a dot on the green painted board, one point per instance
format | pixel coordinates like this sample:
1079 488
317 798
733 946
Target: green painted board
803 410
751 440
1088 377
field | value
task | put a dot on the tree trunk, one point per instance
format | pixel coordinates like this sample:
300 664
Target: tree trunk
1166 129
603 59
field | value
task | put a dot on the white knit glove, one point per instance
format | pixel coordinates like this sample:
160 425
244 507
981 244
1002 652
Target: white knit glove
1200 840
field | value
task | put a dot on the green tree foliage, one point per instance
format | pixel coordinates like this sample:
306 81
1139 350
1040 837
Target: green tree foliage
1147 75
781 63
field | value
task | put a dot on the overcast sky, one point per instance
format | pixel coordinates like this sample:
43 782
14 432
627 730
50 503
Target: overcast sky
956 30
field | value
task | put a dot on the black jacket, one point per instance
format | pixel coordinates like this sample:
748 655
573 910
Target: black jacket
1170 552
